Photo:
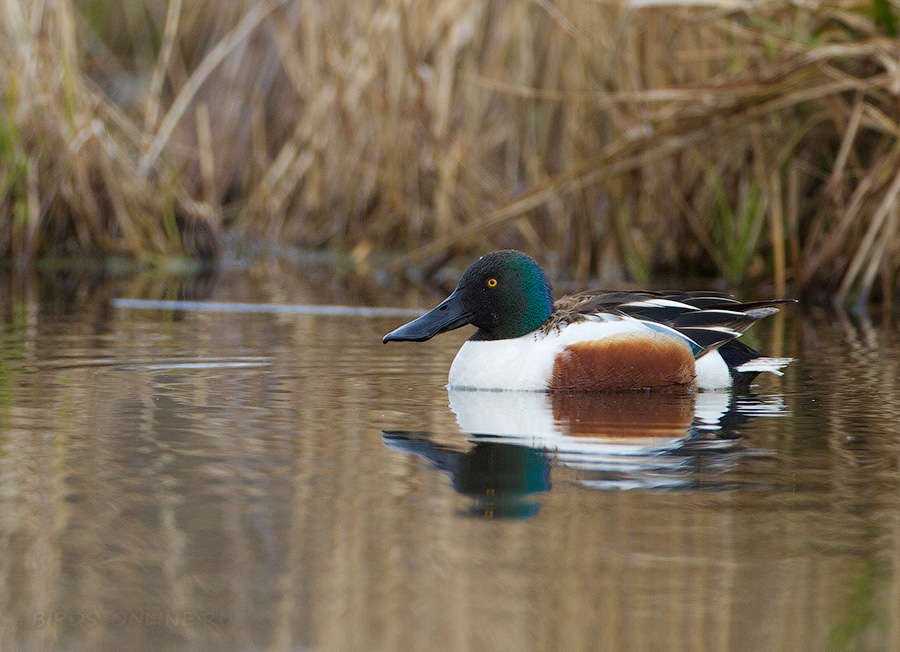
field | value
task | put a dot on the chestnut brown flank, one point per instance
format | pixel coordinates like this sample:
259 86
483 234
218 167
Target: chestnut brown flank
623 362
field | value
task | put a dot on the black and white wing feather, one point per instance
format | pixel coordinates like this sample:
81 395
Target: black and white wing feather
708 319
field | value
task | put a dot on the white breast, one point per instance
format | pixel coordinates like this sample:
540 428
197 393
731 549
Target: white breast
524 363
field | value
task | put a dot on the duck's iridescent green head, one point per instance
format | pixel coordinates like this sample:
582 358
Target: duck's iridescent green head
504 294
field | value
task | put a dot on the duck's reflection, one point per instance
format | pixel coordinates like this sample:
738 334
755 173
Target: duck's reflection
613 441
497 476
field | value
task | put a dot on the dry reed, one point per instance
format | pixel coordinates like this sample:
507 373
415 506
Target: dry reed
69 180
737 140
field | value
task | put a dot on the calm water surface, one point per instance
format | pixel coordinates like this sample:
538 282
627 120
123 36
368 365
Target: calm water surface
196 480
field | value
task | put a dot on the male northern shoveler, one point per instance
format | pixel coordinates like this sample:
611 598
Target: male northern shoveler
593 341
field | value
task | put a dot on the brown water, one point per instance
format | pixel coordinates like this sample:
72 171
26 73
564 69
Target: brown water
196 480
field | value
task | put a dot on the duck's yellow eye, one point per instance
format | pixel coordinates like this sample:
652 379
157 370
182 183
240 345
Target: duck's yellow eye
492 282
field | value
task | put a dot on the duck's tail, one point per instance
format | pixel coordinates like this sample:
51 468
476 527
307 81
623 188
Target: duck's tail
746 363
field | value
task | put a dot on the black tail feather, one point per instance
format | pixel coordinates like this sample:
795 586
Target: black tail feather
735 353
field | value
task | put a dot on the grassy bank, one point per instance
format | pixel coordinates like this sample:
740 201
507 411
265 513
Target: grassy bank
607 139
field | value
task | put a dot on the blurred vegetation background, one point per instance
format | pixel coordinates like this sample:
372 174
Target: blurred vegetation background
629 140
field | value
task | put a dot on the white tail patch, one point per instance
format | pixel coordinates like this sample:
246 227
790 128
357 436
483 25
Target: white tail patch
772 365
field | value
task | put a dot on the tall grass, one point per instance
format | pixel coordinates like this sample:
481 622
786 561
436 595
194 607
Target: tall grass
745 141
69 178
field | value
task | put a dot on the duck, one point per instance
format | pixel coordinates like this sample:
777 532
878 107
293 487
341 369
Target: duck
595 341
